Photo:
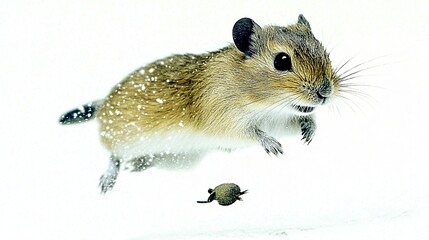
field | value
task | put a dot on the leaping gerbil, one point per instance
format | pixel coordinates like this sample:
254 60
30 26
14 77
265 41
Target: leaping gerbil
269 80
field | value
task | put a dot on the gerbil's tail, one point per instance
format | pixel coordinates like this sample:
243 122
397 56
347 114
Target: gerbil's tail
81 114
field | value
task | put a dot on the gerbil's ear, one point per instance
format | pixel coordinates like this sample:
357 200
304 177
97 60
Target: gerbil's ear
303 21
242 33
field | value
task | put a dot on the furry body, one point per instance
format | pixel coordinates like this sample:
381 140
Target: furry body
265 85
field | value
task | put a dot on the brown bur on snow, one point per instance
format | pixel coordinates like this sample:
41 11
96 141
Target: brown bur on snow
225 194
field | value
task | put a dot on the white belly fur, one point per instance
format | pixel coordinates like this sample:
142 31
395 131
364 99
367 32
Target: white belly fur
183 141
188 141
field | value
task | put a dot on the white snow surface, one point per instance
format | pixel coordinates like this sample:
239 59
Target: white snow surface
364 176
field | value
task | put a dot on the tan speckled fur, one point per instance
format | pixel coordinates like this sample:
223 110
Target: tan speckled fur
211 92
266 84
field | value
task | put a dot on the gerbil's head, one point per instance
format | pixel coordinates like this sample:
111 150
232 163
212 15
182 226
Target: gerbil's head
287 66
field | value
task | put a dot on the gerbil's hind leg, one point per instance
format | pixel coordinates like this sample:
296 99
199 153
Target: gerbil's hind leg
139 164
308 128
108 179
270 144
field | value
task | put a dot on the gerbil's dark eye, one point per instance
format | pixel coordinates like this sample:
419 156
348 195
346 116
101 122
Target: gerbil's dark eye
283 62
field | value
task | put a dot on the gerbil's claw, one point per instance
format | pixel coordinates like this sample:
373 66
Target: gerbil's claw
308 128
139 164
270 144
274 150
307 141
106 183
108 179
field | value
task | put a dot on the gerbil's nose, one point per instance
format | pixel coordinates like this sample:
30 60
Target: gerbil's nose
325 90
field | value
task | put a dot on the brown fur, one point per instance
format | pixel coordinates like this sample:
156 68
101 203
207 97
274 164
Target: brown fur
207 92
264 85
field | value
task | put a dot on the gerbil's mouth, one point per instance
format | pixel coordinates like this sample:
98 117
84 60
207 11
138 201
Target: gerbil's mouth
304 109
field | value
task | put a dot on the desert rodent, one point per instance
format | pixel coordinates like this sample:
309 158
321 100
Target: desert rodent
270 80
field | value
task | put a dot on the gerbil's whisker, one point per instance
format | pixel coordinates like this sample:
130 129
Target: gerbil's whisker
353 67
268 95
336 109
352 85
353 90
288 102
300 77
252 102
364 96
279 103
282 102
344 64
351 104
347 77
349 89
341 76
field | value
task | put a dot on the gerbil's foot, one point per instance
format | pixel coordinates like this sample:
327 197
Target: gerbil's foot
308 128
228 150
270 144
139 164
108 179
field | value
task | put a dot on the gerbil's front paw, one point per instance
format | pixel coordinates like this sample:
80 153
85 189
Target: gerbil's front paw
308 128
271 145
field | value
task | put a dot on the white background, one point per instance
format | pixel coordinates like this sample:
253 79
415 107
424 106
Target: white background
364 176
